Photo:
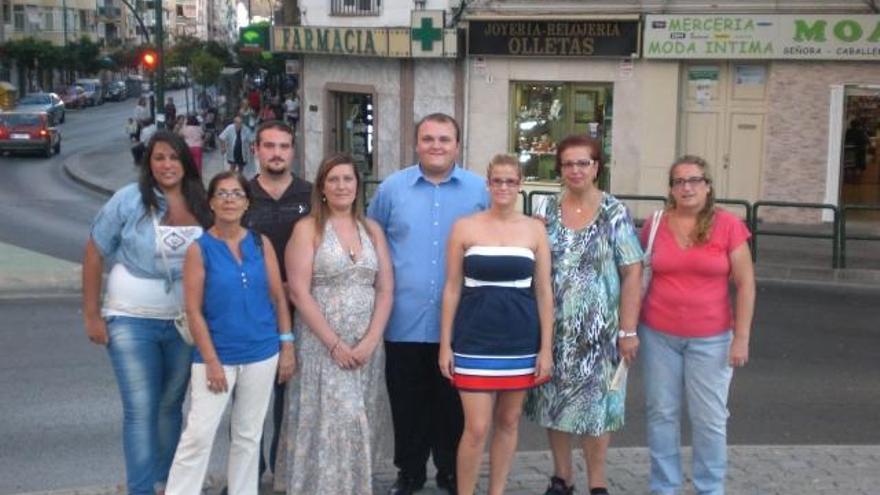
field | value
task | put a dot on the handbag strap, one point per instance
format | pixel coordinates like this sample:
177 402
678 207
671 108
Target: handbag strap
655 224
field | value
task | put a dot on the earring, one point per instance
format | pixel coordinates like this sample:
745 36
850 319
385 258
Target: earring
323 199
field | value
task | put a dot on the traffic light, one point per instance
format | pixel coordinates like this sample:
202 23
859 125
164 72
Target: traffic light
150 60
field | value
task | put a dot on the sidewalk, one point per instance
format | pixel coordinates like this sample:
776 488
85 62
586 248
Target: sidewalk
780 259
752 470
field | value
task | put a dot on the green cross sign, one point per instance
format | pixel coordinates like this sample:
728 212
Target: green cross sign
427 34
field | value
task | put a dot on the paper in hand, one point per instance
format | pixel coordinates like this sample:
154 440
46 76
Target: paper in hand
619 379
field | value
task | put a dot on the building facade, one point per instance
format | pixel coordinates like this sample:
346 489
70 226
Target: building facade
766 91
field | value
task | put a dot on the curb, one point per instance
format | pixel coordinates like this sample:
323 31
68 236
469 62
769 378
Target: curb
74 173
825 277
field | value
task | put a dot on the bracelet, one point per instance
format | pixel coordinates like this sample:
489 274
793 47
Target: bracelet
285 337
333 349
623 334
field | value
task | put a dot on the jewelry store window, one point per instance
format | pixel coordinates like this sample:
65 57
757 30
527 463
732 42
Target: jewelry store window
544 113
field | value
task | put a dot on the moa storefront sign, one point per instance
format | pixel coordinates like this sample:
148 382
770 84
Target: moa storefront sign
803 37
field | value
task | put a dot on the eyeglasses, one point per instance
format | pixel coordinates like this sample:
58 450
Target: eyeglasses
680 182
501 183
235 194
579 163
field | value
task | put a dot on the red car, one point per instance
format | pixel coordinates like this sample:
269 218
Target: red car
22 131
73 96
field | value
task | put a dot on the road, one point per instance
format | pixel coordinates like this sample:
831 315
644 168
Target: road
40 207
812 380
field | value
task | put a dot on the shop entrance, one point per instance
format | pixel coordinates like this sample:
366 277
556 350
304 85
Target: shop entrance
860 160
352 130
723 114
546 112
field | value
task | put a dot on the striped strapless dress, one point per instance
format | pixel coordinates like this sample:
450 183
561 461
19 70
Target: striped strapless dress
496 334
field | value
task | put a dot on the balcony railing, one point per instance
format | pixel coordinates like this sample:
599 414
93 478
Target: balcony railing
355 7
109 12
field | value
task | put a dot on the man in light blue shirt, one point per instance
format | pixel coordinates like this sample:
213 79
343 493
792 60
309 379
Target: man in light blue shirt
416 208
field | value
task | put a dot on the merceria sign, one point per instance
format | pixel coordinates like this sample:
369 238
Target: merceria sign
554 38
816 37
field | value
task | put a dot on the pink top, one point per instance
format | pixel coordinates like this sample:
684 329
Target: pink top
688 296
193 135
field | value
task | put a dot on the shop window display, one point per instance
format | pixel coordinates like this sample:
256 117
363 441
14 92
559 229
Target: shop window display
544 113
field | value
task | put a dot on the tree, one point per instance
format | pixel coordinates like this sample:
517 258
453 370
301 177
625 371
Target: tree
206 69
32 55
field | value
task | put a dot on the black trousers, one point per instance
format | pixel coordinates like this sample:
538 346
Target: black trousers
425 410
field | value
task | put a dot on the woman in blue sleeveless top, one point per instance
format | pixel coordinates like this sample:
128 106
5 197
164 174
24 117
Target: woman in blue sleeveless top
239 319
496 328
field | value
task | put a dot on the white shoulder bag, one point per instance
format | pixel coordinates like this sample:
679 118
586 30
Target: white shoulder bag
647 270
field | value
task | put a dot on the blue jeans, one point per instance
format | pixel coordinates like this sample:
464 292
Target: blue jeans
152 365
696 368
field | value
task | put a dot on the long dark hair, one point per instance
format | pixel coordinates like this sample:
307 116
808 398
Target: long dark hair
191 186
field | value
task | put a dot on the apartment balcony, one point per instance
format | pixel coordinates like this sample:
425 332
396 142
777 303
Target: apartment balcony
109 14
356 8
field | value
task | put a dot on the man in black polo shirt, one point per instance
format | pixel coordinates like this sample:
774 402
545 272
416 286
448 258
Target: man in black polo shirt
280 199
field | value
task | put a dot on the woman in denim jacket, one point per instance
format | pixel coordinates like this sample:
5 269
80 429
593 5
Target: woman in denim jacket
143 233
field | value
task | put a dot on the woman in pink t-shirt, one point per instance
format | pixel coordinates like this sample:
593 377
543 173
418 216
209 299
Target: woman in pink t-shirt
691 337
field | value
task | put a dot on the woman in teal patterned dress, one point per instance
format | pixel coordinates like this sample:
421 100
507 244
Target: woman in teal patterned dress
596 269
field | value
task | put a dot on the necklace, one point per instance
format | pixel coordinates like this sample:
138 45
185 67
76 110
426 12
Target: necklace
351 254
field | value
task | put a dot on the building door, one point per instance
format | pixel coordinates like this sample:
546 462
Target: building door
722 120
352 129
860 165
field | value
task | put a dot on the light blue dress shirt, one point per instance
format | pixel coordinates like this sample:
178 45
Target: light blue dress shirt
417 216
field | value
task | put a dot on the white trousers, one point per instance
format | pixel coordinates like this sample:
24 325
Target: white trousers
250 387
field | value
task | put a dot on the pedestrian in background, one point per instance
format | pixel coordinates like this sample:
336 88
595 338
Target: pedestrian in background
496 330
141 116
237 311
339 271
235 144
170 112
145 229
194 136
416 208
291 110
691 337
248 115
280 200
596 286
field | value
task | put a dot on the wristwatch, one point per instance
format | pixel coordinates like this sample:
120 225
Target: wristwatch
623 334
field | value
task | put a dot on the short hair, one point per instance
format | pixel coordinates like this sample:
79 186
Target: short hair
443 119
229 174
275 124
503 159
581 140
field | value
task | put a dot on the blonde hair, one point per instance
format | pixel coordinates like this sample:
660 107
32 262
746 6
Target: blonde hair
706 215
503 159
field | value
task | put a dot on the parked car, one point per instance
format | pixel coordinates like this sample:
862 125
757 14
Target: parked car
43 102
73 96
94 91
28 131
117 91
